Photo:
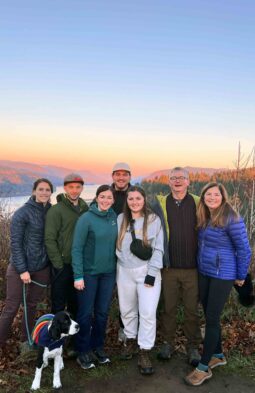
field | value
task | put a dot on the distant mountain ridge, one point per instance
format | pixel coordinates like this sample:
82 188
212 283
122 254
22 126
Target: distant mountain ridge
16 178
190 169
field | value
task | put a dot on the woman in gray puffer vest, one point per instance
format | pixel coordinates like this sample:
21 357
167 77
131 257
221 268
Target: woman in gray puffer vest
29 261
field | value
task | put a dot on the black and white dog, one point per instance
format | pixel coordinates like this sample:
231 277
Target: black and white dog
49 335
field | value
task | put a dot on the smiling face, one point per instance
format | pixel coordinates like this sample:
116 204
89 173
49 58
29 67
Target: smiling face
105 200
178 182
213 198
121 180
135 202
42 193
73 191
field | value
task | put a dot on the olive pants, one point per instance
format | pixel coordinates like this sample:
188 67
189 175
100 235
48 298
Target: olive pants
181 284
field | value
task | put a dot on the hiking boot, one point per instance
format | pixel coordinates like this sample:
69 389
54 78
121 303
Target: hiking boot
101 356
86 360
144 362
165 352
121 335
215 362
197 377
129 349
193 357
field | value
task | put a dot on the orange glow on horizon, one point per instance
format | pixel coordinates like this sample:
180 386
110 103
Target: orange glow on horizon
99 154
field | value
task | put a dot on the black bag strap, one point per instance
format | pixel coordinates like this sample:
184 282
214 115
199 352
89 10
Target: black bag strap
132 229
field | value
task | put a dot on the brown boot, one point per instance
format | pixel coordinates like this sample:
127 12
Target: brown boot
144 362
197 377
129 348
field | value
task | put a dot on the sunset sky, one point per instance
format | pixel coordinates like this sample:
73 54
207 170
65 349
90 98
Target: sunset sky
156 83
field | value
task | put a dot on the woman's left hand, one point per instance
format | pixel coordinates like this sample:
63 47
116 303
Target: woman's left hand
148 286
239 283
79 285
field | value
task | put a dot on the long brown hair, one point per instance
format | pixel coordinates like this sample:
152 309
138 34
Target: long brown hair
221 215
127 217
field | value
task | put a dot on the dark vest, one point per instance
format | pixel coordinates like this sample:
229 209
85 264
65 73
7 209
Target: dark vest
182 242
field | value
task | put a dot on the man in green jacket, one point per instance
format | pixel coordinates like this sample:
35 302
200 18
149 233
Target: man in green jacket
59 228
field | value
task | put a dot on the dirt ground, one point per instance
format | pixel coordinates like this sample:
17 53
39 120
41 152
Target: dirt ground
168 378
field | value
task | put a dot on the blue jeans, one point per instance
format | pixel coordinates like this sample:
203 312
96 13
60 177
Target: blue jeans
93 309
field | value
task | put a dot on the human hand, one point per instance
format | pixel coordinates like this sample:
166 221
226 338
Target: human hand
239 283
80 285
148 286
25 277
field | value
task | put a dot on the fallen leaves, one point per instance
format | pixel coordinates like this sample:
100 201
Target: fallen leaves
239 335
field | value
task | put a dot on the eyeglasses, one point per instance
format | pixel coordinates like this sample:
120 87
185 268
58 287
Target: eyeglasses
174 178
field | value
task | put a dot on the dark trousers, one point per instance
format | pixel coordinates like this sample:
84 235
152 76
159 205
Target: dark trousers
63 294
213 294
181 284
14 296
93 309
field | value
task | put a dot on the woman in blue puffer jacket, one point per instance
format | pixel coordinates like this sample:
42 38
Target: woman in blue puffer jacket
29 261
223 259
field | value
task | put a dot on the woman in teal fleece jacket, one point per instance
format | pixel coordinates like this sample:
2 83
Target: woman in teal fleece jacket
94 265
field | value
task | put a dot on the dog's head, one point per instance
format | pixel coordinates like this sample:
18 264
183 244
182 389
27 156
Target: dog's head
62 326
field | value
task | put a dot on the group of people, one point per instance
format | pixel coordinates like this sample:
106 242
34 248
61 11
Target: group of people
197 247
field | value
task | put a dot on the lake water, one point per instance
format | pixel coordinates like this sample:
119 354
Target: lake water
9 205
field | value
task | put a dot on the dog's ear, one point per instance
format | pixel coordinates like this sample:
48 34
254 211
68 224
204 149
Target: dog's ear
55 330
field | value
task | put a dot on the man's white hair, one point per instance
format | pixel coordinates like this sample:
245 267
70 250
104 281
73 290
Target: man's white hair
179 169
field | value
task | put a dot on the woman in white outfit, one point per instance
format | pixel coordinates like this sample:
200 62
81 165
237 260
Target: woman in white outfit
139 280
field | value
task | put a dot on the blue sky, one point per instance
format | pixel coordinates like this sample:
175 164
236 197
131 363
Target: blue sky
174 79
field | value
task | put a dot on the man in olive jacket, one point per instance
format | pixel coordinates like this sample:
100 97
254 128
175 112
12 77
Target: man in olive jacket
60 223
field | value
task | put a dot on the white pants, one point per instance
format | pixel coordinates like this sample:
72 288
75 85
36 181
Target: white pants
137 300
